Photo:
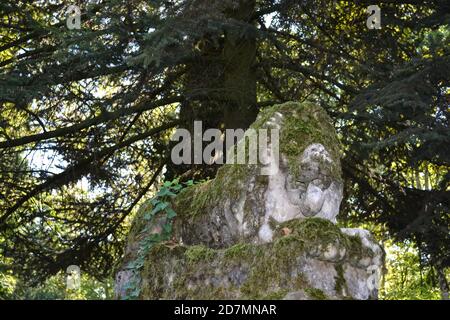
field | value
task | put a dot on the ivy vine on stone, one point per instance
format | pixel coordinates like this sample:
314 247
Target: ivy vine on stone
161 205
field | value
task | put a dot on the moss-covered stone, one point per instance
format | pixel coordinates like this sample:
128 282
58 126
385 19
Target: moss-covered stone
244 271
249 236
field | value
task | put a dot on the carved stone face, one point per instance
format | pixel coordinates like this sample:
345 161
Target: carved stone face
313 192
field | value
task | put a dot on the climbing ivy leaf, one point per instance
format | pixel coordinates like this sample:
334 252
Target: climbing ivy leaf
159 207
170 213
166 192
167 229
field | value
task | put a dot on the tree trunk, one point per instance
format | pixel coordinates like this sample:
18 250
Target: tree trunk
221 83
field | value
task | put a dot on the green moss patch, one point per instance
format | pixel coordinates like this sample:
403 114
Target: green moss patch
199 253
316 294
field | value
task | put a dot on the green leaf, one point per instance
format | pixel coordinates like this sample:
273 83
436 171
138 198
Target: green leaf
159 207
177 187
136 264
165 192
148 215
170 213
167 228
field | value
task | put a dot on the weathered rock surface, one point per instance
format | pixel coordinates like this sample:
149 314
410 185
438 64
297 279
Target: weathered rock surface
247 235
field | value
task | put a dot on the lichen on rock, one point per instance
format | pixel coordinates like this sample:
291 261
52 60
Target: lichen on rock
247 235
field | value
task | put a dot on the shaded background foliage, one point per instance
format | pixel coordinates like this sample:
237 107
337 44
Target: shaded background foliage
86 115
